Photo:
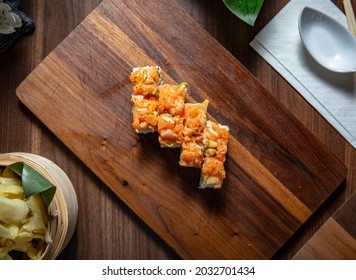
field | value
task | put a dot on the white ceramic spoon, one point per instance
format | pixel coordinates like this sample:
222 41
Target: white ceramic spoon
327 41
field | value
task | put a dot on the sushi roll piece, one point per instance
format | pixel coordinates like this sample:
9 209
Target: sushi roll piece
172 99
170 121
146 80
195 117
170 130
215 142
144 113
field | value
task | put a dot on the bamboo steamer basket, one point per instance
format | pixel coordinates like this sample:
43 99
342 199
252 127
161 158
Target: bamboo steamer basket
63 209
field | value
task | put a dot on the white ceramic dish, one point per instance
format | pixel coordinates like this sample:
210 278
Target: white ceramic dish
327 41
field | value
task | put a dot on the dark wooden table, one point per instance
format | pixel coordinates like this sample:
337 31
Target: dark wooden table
107 228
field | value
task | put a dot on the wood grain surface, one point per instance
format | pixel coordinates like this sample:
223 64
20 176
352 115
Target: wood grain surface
112 229
336 239
278 172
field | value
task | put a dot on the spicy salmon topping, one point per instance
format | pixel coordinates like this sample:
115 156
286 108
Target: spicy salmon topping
215 140
170 129
191 155
144 112
195 116
215 148
172 98
146 80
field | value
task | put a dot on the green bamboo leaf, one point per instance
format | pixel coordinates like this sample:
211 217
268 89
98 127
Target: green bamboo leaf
247 10
33 182
16 167
48 195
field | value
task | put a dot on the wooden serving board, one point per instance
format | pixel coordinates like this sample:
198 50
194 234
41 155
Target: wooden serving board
336 239
278 174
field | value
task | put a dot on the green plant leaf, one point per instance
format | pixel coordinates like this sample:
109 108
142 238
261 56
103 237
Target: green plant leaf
247 10
33 182
16 167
